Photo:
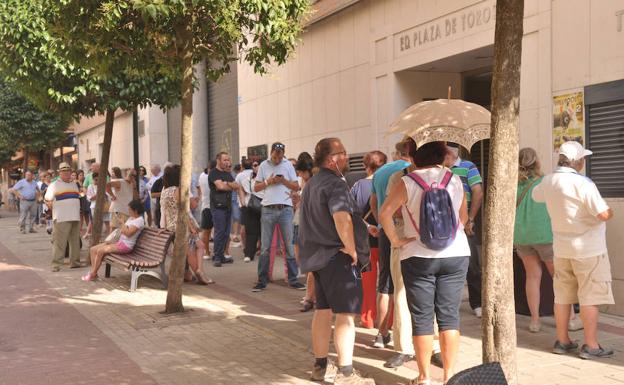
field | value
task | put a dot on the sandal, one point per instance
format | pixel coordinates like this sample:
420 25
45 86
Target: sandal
88 277
201 280
416 381
307 306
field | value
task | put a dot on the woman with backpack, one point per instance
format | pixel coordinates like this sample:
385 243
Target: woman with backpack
434 252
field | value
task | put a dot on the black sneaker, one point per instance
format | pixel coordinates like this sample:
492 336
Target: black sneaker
216 264
228 260
398 360
258 288
298 286
587 353
560 348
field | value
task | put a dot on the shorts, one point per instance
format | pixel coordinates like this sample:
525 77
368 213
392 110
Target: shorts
385 284
148 204
122 248
338 286
544 251
586 281
434 285
118 219
206 219
295 238
236 212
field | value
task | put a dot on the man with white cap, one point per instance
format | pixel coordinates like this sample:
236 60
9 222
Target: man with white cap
63 197
582 271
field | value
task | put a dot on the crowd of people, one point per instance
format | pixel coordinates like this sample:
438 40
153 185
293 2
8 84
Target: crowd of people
408 230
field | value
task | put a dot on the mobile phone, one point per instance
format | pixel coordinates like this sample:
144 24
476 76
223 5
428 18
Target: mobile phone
279 176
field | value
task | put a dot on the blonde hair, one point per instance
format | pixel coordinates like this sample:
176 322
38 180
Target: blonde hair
528 164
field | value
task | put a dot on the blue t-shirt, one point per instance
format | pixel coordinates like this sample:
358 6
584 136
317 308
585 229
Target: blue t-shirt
382 177
28 190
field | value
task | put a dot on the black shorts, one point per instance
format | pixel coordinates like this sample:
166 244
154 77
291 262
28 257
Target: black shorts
338 286
206 220
385 284
434 285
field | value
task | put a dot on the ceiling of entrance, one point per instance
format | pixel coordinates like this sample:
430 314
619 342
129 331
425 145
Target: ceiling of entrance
466 61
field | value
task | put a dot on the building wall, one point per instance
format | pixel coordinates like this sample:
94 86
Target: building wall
222 102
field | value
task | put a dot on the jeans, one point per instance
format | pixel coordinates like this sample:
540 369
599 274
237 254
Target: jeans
474 274
28 210
222 226
271 217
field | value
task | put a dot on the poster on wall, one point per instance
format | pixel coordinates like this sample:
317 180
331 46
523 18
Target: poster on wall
568 119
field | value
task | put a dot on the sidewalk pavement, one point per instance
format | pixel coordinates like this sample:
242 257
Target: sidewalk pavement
57 329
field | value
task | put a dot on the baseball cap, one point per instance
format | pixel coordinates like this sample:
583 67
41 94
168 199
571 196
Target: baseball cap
573 150
64 166
277 146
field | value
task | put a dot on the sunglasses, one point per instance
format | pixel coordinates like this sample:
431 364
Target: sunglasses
278 147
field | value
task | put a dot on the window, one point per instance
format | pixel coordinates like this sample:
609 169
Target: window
605 136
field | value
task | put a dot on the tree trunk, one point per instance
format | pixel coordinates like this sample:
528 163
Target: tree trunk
101 186
176 269
24 161
499 327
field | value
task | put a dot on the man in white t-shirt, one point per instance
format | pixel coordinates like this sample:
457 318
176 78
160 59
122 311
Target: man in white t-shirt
63 197
582 270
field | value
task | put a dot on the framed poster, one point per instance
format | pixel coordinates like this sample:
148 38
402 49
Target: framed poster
257 153
568 119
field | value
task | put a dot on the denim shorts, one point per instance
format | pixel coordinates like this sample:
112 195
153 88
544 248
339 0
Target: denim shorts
236 212
434 285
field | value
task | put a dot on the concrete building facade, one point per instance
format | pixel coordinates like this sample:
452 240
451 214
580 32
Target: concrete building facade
361 63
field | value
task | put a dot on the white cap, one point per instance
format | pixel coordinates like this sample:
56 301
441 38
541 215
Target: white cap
573 150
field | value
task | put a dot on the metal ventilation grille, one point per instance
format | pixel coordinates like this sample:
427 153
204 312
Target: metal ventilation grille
356 162
605 137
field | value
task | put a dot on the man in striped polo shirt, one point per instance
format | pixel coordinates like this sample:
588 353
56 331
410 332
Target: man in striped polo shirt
473 188
63 198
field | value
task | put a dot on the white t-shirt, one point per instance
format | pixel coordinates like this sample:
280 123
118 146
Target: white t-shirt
124 196
139 223
243 179
573 202
205 190
66 201
276 194
460 247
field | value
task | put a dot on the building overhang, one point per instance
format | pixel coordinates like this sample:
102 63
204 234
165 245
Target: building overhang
322 9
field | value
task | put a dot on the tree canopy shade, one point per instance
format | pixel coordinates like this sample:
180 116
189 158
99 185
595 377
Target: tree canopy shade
36 60
168 37
23 126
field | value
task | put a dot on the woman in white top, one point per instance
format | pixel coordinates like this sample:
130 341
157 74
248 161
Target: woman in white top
130 231
434 279
121 191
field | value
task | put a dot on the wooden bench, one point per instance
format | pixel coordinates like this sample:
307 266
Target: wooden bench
147 257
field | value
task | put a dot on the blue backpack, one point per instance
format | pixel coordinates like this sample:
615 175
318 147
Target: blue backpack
438 224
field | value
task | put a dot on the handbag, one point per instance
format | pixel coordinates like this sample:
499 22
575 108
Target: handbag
113 237
255 202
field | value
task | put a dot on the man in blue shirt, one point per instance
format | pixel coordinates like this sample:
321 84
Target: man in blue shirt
385 287
277 178
27 191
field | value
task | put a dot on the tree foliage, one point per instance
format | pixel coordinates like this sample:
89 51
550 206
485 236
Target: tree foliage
23 126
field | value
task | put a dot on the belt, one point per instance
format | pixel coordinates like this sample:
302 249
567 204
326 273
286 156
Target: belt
276 207
28 200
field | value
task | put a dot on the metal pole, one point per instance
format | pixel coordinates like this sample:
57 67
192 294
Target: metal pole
135 143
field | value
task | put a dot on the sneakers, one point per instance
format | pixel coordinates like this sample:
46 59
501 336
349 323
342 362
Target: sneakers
246 259
206 257
381 342
228 259
32 231
297 285
398 360
216 264
354 379
535 327
587 353
575 324
477 312
319 373
258 288
560 348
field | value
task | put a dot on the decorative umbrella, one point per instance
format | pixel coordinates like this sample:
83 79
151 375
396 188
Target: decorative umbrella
450 120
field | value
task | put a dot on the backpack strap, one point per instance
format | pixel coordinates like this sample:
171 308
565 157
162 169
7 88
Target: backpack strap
419 181
409 214
447 178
